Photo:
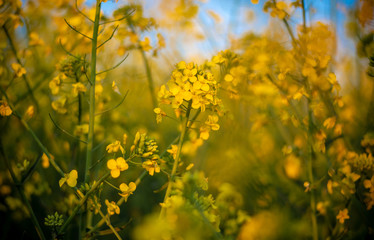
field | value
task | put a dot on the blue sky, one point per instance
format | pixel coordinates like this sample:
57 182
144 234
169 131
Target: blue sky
234 14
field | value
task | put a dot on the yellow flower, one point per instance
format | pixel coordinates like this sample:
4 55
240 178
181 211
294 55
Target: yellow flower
112 207
5 109
151 166
173 151
117 166
78 88
127 190
342 215
70 179
159 113
212 122
18 69
55 84
114 147
145 45
45 161
81 129
307 186
59 105
329 123
369 184
228 78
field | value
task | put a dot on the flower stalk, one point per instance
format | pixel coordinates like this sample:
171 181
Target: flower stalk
176 160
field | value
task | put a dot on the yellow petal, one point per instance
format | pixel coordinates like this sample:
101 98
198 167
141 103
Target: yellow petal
115 173
111 164
62 181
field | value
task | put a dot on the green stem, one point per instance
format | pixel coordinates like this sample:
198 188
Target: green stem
92 91
37 140
119 203
109 224
83 201
91 124
14 50
19 187
176 160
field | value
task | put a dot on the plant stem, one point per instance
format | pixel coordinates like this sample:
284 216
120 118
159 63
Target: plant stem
109 225
83 201
37 140
91 124
119 203
92 91
14 50
19 187
176 160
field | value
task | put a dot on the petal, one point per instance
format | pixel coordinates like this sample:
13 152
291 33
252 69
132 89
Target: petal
72 182
73 174
132 186
111 164
115 173
123 187
62 181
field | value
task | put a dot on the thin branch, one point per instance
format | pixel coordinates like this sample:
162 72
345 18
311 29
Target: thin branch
67 52
74 29
116 106
84 15
120 19
29 129
83 201
19 187
14 50
64 131
111 36
31 169
117 65
107 220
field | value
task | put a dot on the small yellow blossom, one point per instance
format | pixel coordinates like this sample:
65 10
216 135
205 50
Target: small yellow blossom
117 166
127 190
45 161
307 186
81 129
30 111
70 179
112 207
114 147
18 69
329 123
342 215
5 109
228 78
151 166
173 151
159 113
145 44
78 88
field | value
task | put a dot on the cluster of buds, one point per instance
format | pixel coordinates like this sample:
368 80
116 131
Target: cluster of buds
144 146
72 67
54 220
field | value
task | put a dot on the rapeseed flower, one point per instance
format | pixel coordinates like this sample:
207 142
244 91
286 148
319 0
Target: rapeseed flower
117 166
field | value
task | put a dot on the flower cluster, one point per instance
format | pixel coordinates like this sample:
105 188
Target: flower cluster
190 83
147 149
